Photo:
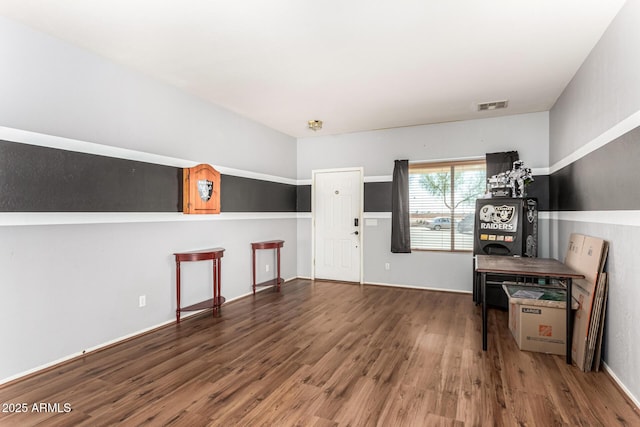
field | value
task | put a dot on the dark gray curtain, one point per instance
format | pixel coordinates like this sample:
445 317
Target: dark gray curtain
400 232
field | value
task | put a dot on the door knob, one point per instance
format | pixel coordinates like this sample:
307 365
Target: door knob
355 232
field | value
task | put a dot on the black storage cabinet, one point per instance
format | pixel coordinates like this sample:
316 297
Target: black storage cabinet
505 227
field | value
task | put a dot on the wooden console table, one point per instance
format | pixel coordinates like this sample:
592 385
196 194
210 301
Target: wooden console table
538 268
215 255
270 244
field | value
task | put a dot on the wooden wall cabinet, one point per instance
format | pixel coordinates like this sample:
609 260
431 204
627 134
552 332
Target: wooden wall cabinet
201 190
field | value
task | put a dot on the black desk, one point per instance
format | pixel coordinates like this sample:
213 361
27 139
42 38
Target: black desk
545 268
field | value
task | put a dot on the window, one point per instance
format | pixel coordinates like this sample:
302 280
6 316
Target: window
442 200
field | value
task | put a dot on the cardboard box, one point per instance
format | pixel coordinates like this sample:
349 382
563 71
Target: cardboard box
538 324
586 255
536 328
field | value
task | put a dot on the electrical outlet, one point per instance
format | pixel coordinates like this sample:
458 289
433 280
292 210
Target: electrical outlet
266 268
387 266
142 300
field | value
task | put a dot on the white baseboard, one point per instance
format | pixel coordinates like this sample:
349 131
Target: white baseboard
624 389
115 341
90 350
394 285
422 288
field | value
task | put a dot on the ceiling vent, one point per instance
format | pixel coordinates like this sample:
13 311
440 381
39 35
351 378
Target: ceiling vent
494 105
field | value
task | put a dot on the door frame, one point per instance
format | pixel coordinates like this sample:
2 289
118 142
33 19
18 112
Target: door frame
315 172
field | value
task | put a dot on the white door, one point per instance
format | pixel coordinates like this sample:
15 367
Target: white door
337 207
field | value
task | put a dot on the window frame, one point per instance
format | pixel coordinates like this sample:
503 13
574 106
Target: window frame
451 164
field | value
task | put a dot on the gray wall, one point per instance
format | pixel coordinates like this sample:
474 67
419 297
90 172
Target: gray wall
71 282
54 88
375 151
604 92
601 103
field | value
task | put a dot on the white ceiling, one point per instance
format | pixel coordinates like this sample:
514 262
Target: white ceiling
355 64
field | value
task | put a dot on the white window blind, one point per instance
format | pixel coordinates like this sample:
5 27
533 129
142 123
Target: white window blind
442 200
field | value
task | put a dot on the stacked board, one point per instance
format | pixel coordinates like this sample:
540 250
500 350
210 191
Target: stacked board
588 256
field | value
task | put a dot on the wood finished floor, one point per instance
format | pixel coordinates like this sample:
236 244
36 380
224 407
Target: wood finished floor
324 354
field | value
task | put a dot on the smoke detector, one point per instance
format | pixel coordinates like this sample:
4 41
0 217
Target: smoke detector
315 125
493 105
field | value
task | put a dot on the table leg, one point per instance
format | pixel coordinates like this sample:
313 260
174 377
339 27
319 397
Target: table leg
483 290
253 258
178 291
569 337
219 284
475 282
214 279
278 261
